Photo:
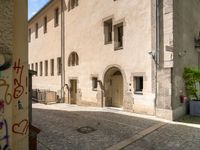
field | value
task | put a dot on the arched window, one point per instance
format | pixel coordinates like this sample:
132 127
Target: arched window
73 59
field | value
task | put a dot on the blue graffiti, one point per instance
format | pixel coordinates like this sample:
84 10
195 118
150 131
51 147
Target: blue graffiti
4 138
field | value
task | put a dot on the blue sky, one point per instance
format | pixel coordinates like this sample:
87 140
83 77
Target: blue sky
34 6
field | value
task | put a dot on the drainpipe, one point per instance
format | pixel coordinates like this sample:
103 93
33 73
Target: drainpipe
68 91
157 54
102 91
62 52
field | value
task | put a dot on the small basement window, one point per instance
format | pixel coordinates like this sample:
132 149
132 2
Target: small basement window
138 85
94 83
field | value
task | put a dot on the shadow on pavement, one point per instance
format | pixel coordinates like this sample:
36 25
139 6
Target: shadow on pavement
59 128
59 131
190 119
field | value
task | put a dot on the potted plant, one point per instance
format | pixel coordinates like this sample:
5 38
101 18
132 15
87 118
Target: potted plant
192 80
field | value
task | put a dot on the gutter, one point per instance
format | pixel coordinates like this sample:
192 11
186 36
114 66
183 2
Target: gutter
157 54
62 52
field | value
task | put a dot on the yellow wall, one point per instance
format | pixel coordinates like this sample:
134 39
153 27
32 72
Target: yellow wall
13 77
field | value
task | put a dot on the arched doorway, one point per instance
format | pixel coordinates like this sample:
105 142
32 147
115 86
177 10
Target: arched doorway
113 83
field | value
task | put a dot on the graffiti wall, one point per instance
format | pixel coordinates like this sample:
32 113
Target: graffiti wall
13 75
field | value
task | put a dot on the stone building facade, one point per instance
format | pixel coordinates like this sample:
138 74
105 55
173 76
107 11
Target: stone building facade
104 53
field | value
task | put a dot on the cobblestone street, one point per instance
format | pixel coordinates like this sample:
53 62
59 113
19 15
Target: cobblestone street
113 129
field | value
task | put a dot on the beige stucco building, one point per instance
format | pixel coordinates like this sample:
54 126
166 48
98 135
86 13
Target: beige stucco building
104 52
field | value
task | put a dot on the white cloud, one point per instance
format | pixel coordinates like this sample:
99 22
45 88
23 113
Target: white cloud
33 13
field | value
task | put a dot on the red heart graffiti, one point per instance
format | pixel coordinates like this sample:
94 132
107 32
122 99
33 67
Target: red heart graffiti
20 128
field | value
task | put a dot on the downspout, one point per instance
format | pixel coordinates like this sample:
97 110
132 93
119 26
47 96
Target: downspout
157 54
102 92
62 52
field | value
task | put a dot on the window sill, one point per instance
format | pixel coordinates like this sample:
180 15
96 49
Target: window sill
118 48
106 43
138 93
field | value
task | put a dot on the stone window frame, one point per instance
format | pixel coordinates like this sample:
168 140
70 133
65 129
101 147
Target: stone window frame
94 84
133 82
118 36
116 24
108 31
111 17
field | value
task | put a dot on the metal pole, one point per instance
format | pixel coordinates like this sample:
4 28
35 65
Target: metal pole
62 52
157 51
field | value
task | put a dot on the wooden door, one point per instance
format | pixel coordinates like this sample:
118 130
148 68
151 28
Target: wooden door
117 91
73 91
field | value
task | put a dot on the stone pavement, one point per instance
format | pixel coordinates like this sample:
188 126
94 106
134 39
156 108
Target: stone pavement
114 129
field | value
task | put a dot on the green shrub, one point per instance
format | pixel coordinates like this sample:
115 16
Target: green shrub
191 77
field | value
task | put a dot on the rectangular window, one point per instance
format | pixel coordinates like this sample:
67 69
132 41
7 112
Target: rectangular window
52 67
94 83
41 68
108 31
46 67
56 17
138 85
59 65
36 30
45 24
118 36
36 68
29 35
32 66
72 4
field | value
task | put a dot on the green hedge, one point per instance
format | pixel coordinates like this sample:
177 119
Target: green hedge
191 77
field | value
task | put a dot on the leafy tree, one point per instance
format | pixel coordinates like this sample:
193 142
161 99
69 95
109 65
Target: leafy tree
191 76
